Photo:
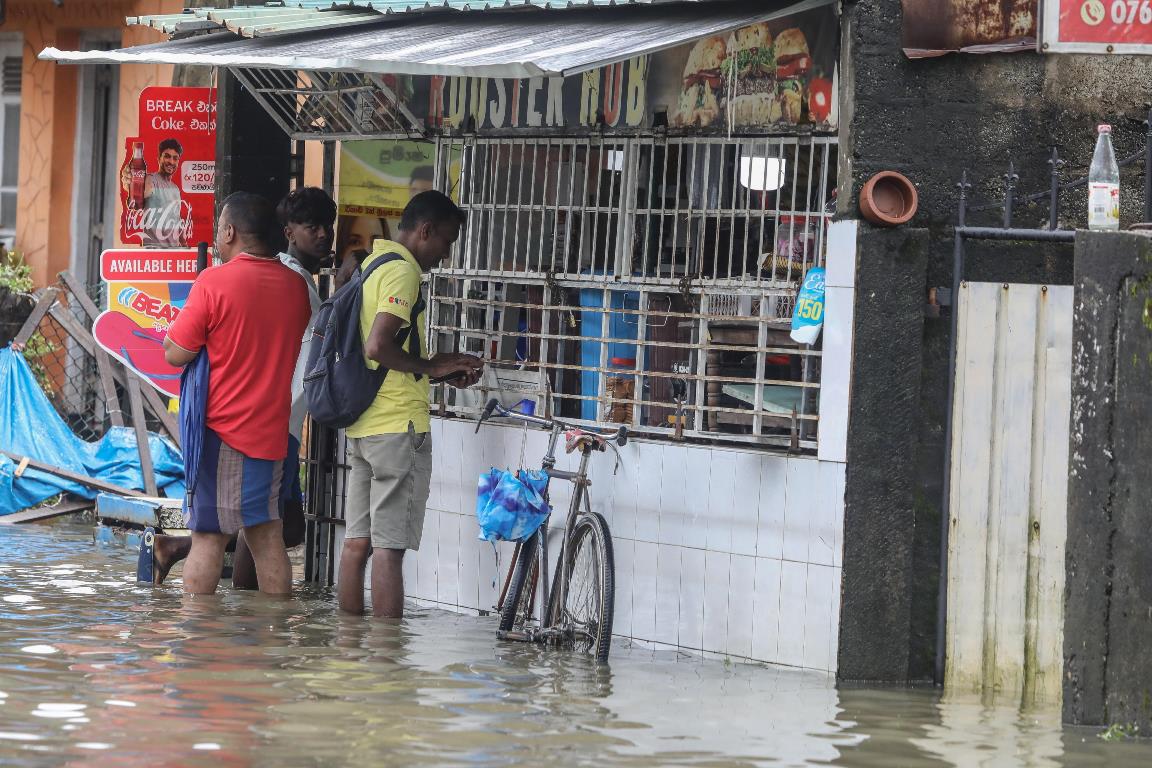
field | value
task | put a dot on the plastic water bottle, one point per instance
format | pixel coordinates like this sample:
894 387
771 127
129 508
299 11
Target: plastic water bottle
1104 184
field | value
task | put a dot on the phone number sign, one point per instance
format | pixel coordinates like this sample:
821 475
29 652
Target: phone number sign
1097 26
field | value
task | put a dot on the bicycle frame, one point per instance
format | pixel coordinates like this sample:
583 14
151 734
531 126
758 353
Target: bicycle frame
580 505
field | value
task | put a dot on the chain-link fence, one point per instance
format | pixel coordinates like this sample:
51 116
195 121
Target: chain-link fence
68 364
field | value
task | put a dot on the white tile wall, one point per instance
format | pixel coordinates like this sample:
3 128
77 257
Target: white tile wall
729 552
835 373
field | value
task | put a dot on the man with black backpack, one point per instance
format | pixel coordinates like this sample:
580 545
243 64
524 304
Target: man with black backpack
390 452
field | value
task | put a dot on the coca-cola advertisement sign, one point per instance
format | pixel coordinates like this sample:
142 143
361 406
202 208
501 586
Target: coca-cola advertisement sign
168 178
1098 26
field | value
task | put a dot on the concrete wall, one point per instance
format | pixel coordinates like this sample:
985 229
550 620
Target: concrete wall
930 119
48 160
1108 592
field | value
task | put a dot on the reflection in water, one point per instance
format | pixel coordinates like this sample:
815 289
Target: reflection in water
96 670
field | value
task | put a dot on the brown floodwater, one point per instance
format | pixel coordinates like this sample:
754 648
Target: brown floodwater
96 670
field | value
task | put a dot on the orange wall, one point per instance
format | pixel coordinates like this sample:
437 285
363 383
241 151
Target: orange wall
48 163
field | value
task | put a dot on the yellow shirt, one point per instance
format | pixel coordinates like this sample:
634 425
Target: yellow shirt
393 288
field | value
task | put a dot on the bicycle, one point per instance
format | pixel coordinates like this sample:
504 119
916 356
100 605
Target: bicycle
580 601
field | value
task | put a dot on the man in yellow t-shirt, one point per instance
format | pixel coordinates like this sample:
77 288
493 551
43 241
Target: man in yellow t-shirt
390 452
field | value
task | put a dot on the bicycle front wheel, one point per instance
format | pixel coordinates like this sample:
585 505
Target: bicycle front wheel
589 576
516 610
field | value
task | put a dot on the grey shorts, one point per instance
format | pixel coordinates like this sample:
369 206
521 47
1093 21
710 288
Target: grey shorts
388 488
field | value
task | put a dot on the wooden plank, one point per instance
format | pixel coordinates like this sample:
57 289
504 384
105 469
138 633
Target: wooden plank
103 359
969 486
121 373
1044 651
1011 438
136 404
90 482
36 514
43 304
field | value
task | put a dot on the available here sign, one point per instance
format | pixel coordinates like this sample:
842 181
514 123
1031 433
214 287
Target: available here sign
1097 26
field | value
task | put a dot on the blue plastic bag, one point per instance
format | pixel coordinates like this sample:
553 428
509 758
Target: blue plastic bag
511 506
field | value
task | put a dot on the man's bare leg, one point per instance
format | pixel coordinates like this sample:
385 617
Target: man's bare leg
353 558
388 583
204 563
244 567
273 571
166 552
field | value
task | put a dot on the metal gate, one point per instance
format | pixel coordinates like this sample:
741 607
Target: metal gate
1008 490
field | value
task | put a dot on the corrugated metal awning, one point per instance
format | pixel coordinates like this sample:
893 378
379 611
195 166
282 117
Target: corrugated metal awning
305 15
508 45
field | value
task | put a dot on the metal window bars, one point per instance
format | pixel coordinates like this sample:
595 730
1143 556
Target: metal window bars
322 105
621 267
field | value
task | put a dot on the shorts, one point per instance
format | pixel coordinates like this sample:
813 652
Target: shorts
388 488
235 491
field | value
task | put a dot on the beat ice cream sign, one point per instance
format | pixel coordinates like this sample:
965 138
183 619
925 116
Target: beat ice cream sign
146 291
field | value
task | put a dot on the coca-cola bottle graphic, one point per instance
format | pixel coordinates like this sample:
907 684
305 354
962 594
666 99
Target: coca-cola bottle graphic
138 169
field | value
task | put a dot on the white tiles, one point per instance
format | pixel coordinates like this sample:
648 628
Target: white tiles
448 556
766 609
774 499
793 588
835 374
804 495
691 633
719 550
827 515
667 594
717 569
644 591
747 502
841 261
822 586
721 501
741 592
624 553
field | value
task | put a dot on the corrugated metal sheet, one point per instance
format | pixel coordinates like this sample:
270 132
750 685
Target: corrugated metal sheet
485 45
1009 491
303 15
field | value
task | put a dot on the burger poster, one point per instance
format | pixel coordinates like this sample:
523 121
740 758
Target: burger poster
775 74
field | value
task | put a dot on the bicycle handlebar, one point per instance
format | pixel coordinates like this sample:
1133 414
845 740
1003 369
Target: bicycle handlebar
619 436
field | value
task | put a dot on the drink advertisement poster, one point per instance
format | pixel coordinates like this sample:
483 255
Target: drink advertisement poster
168 177
1097 26
938 27
146 291
377 179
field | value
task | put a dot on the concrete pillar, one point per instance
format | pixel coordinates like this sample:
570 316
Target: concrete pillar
1108 591
876 622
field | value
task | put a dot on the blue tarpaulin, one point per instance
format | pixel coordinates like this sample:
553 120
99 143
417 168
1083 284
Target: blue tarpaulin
30 426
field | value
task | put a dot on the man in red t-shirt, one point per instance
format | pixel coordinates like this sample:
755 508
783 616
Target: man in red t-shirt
249 315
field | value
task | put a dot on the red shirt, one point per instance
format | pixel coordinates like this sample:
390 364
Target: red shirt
250 314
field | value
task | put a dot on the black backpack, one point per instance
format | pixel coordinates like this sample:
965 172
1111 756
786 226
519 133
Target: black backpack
339 384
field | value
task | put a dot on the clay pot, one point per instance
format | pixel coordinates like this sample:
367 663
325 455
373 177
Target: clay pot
889 199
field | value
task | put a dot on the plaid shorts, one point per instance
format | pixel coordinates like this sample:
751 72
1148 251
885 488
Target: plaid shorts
235 491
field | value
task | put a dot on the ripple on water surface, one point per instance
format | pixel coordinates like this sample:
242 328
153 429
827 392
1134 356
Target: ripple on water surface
141 676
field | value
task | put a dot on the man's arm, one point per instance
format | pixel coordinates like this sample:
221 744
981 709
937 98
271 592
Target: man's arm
175 355
381 346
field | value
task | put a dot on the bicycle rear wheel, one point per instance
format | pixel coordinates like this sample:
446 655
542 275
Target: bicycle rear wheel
516 611
589 572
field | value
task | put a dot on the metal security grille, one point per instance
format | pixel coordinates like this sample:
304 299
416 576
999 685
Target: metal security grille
314 105
633 273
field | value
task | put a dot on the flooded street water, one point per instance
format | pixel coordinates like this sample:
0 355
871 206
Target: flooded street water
98 671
